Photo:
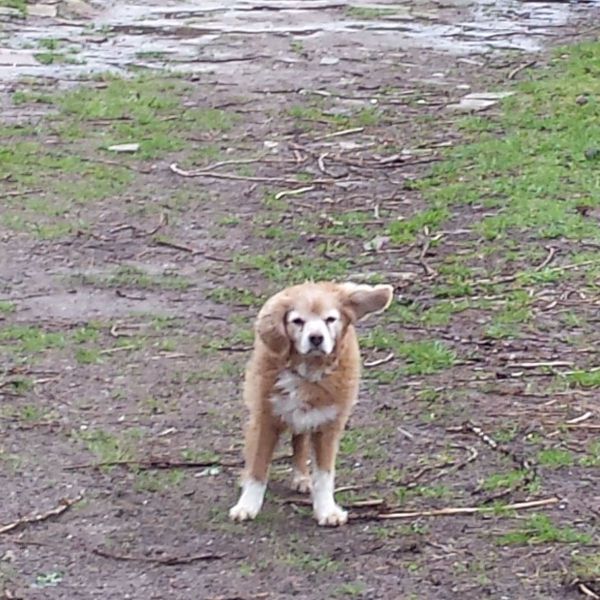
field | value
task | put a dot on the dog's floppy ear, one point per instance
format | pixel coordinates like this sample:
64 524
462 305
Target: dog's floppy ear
362 300
270 323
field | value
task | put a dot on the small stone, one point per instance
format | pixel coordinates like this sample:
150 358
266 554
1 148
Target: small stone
42 10
14 58
329 60
7 11
581 100
592 153
124 148
377 243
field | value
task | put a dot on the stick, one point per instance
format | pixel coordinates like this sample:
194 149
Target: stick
551 254
586 591
467 510
381 361
520 68
157 463
296 192
580 418
64 505
216 175
169 560
340 133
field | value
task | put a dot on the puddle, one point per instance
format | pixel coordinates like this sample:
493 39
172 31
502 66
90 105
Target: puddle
224 35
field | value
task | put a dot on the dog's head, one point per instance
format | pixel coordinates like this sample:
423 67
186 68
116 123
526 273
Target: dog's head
311 319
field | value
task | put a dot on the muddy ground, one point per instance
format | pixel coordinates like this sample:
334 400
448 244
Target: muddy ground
128 289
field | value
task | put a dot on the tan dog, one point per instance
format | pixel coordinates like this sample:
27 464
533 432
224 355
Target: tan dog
304 375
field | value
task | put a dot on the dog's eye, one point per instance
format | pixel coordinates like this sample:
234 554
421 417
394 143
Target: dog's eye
330 320
298 321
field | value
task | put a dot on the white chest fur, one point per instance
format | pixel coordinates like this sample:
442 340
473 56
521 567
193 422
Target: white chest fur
293 408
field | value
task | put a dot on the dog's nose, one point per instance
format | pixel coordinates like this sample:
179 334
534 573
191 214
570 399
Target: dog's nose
315 340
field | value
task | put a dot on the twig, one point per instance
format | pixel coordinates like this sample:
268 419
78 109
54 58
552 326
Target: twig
241 161
428 270
528 467
157 463
580 418
118 349
169 560
64 505
551 254
295 192
381 361
175 245
20 193
520 68
463 510
340 133
586 591
535 365
175 169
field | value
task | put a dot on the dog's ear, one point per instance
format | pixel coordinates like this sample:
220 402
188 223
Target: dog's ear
270 323
362 300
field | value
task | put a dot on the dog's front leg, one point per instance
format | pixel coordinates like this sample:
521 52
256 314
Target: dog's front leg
325 445
261 439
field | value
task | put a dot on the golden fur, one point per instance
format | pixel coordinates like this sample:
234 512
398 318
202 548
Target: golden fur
291 383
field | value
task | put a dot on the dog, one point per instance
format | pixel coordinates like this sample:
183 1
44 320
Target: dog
303 375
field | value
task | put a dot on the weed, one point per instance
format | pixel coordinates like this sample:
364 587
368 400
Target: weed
6 307
555 458
586 568
135 277
540 529
158 481
585 379
503 480
107 446
368 13
31 340
351 589
309 562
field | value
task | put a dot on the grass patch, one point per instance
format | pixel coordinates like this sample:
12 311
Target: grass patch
20 5
540 529
368 13
534 161
30 340
134 277
555 458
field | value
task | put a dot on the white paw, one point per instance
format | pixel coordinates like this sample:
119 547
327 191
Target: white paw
301 483
333 517
250 502
240 512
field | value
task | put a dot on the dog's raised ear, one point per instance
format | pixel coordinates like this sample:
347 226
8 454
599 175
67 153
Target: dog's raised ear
270 323
362 300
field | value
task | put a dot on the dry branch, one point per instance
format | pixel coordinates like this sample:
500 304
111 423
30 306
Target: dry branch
64 505
462 510
168 560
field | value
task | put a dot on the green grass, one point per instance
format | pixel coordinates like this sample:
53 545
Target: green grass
30 340
108 447
423 357
500 481
6 307
555 458
586 568
135 277
540 529
151 110
585 379
531 160
368 13
20 5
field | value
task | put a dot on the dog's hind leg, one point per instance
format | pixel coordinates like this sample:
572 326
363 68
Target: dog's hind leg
300 473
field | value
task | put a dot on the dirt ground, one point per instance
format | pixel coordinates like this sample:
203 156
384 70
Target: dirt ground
129 281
